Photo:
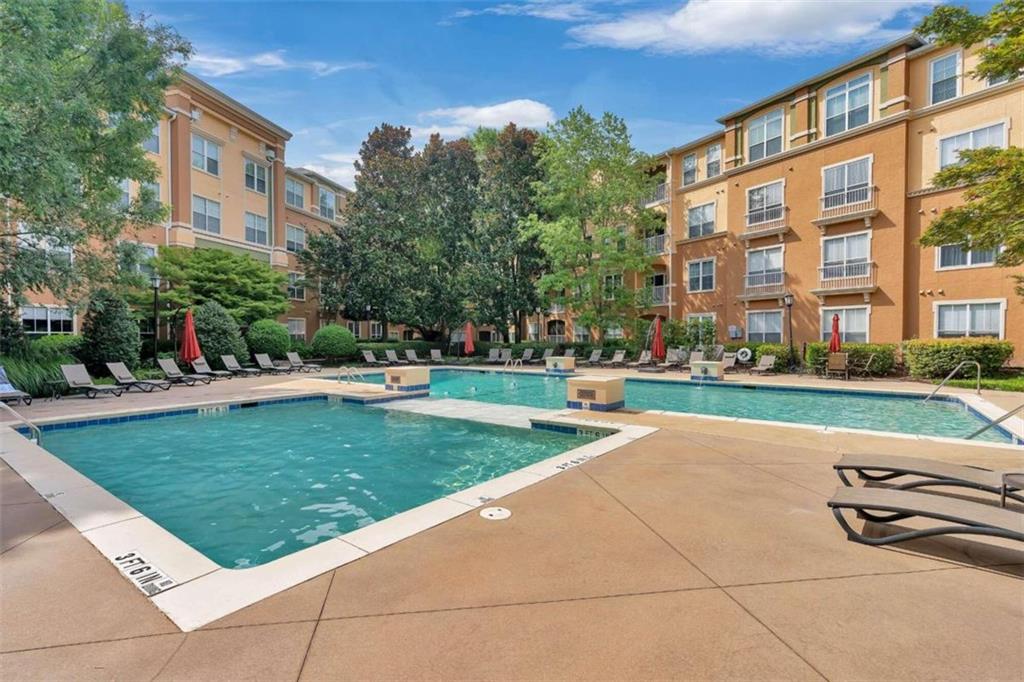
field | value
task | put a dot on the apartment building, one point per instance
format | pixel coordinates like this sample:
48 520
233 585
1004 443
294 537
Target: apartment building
818 194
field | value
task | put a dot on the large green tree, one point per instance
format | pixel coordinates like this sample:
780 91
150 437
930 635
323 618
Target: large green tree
592 225
993 212
81 87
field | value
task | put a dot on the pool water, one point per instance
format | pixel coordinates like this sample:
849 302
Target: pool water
248 486
851 409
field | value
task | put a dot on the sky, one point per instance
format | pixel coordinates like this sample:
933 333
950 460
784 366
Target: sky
330 72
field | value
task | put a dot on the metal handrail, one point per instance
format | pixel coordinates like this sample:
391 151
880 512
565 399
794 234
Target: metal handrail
351 373
949 376
511 364
988 426
31 427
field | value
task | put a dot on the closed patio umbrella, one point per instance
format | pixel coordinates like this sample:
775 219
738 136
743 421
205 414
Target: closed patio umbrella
469 339
658 344
189 342
834 342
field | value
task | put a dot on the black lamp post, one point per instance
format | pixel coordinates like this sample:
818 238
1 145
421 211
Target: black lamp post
788 300
154 281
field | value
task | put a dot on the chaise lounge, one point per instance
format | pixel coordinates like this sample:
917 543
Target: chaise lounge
410 355
232 365
9 392
435 356
201 366
393 358
297 363
265 364
124 377
548 352
78 379
766 365
371 359
175 376
618 359
594 359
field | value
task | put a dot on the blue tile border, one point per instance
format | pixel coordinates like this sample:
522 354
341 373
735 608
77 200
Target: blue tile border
403 389
596 407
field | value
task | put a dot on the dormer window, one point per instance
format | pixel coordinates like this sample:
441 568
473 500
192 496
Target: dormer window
765 135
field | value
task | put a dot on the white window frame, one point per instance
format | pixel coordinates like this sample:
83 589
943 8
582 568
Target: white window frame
614 332
49 310
207 215
746 265
970 264
714 274
1002 315
782 325
782 134
255 228
207 143
154 136
828 311
576 329
846 111
292 334
321 192
746 201
714 219
287 240
690 157
1005 122
826 238
257 167
959 76
292 288
353 326
871 177
707 160
302 193
376 330
606 289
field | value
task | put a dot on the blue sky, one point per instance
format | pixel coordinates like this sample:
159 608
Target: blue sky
330 71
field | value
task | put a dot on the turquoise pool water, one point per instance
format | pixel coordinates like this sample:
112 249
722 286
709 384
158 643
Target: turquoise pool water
251 485
878 412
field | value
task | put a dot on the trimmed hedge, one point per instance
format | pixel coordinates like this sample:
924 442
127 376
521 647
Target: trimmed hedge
55 345
304 350
270 337
334 341
418 345
218 333
884 362
781 353
935 359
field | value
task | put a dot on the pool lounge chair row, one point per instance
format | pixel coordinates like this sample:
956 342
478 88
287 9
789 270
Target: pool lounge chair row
410 358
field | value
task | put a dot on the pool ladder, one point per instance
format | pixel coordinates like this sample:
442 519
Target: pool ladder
977 388
511 364
351 374
986 427
35 430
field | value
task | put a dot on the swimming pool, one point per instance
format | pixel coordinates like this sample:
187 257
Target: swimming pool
850 409
246 486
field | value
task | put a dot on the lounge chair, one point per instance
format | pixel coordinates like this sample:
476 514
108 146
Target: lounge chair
265 364
594 359
957 516
297 363
435 355
201 366
492 357
393 358
643 361
838 364
862 369
371 359
174 375
672 359
766 365
9 392
504 355
411 356
717 352
527 355
569 353
618 359
548 352
124 377
729 363
695 356
926 473
78 379
232 365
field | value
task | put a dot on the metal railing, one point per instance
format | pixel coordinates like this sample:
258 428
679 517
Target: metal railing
556 309
659 294
846 202
767 218
654 244
659 195
31 427
988 426
767 283
352 375
847 275
511 364
952 374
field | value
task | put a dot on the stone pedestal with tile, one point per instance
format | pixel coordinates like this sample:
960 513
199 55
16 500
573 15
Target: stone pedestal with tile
413 379
560 365
705 370
601 394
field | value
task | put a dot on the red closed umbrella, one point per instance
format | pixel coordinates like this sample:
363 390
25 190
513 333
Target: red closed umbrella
189 342
658 344
469 339
834 342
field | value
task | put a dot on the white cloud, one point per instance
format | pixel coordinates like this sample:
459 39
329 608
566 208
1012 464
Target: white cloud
775 27
555 11
210 64
336 166
523 112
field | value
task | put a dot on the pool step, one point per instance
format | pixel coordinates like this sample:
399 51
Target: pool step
488 413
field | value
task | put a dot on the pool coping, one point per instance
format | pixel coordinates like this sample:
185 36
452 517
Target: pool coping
194 590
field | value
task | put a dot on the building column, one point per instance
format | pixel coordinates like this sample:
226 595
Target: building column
180 150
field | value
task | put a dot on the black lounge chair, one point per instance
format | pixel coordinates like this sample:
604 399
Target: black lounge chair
958 516
9 392
124 377
527 355
618 359
393 358
78 379
594 359
371 359
232 365
267 365
569 353
548 352
297 363
201 366
644 360
174 375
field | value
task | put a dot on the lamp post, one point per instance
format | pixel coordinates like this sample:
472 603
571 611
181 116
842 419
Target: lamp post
788 300
154 281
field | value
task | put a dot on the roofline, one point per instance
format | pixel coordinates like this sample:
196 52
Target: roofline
200 84
710 137
313 175
911 40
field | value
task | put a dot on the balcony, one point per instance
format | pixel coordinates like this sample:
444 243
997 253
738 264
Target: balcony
766 222
659 195
847 278
857 203
654 245
659 294
556 309
762 286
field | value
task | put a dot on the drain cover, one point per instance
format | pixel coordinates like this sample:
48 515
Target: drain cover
495 513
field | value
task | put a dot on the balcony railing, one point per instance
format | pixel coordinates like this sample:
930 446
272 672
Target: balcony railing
654 245
847 276
850 202
556 309
659 294
767 218
771 283
659 195
556 338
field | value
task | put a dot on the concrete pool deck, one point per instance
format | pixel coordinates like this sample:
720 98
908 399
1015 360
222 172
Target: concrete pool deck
704 550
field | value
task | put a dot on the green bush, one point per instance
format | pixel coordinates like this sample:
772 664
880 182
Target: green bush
55 345
881 365
335 342
781 353
419 345
109 333
936 359
31 375
304 350
270 337
218 333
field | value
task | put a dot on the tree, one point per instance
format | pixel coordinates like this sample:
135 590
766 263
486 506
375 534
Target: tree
507 259
270 337
109 334
82 85
218 333
993 213
592 227
334 341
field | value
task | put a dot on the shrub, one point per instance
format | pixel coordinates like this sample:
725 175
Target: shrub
12 333
303 349
938 358
32 375
218 333
55 345
883 363
781 353
334 341
270 337
109 333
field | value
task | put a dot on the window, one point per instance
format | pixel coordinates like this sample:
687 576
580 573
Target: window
613 333
700 317
533 332
294 238
689 169
701 220
296 286
853 324
847 183
989 136
714 160
125 200
376 330
48 245
659 291
255 177
846 256
256 229
327 200
764 203
205 155
765 326
970 318
205 214
353 327
944 78
701 275
956 256
764 267
153 189
612 283
297 328
848 105
147 252
152 143
39 320
294 193
580 332
764 135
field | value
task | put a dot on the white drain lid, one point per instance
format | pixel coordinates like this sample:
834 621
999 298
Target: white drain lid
495 513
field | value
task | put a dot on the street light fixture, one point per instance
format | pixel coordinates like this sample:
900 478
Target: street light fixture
788 300
154 281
